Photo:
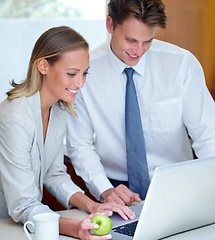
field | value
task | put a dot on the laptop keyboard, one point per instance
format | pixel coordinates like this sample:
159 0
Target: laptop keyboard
127 229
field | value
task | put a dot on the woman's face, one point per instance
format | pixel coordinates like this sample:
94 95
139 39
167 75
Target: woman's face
65 77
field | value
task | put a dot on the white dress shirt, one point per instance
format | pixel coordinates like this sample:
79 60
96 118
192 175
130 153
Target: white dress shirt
174 103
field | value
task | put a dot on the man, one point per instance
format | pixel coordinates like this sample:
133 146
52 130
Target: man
177 111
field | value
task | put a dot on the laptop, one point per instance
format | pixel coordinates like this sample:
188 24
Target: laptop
180 197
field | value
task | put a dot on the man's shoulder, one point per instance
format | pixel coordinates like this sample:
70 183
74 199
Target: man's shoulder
99 52
166 47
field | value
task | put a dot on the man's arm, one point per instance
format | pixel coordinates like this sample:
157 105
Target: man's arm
199 110
82 153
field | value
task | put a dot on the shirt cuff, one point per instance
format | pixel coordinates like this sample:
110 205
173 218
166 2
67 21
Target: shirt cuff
99 184
65 191
37 210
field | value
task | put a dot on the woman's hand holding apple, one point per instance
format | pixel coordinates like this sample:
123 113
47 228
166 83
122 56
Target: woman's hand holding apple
86 226
105 224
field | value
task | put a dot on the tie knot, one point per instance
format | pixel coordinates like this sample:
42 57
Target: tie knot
129 72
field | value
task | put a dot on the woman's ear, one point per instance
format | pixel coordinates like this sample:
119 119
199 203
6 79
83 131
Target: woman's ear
42 66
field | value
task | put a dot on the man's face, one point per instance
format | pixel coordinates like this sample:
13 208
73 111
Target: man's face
130 40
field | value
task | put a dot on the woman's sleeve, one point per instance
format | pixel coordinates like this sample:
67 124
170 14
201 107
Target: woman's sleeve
57 181
21 191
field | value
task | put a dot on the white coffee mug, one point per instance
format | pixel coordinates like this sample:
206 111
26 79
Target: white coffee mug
45 225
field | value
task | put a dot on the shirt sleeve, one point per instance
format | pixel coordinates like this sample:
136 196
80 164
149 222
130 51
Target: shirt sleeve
81 150
21 192
58 182
199 110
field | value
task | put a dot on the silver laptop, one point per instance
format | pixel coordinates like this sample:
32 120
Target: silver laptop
181 197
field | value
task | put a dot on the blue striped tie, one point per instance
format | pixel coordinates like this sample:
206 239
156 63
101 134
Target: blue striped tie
138 176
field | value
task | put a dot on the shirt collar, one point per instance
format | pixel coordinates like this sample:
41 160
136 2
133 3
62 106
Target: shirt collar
118 66
140 67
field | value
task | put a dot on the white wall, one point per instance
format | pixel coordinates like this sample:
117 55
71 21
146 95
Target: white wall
18 36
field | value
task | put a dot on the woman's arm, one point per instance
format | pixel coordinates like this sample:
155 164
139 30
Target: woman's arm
83 202
80 228
20 170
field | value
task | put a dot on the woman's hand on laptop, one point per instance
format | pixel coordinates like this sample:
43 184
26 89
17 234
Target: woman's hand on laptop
121 195
110 207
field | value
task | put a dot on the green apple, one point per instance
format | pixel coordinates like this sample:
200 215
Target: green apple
105 225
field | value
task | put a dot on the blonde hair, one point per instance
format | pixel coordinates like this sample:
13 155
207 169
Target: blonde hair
50 46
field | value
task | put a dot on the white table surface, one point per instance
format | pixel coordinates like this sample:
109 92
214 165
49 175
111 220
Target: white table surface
10 230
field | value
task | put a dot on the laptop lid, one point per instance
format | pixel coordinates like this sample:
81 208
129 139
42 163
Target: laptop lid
181 197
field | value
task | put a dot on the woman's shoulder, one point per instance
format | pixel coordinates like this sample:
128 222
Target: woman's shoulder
15 110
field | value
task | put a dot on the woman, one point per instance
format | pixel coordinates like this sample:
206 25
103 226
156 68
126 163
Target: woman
32 127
